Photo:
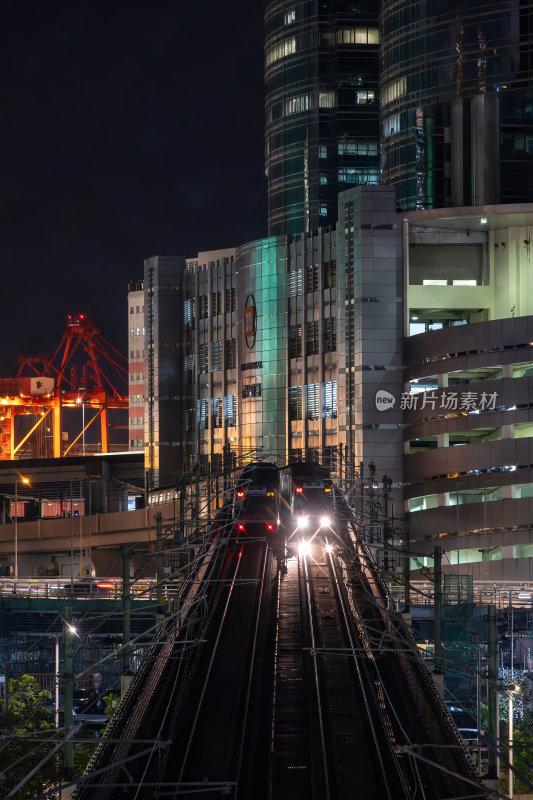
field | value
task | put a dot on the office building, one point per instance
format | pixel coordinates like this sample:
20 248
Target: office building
322 108
136 365
456 88
395 330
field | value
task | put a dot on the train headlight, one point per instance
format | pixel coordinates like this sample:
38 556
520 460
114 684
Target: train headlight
304 548
325 522
302 522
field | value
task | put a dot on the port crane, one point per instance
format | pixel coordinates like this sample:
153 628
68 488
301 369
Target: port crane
84 371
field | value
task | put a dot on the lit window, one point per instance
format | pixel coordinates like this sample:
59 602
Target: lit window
370 177
323 180
434 282
296 105
290 16
358 36
132 331
354 147
465 283
329 408
323 211
365 96
279 50
391 125
322 151
327 99
394 90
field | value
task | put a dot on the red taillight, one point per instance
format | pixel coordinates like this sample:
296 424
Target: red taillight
241 528
270 527
105 585
299 490
240 494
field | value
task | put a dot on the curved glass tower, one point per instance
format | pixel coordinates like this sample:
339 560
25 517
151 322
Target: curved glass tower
456 86
321 127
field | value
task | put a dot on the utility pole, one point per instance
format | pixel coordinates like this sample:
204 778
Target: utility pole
159 557
407 569
126 612
492 641
437 609
69 693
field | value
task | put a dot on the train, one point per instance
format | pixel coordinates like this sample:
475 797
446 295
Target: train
301 495
256 501
312 496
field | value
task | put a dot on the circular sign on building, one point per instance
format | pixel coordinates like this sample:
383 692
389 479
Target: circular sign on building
250 321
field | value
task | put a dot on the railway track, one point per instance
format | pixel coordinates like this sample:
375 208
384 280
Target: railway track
328 740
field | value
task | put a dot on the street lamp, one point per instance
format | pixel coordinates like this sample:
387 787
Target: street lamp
26 481
512 689
80 400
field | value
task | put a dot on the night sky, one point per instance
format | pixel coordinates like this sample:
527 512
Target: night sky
130 129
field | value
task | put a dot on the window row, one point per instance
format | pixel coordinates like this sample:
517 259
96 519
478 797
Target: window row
358 35
279 50
136 309
136 331
216 412
394 90
370 177
329 338
327 98
356 147
221 303
312 278
223 355
312 401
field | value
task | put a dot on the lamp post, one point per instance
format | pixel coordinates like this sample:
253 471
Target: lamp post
26 481
511 690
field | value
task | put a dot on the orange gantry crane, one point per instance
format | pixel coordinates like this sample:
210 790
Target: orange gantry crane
41 390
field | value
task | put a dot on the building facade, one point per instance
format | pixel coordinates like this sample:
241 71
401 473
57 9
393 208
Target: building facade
322 108
456 102
391 346
136 365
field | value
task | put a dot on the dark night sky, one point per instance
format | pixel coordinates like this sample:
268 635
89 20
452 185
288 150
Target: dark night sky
129 129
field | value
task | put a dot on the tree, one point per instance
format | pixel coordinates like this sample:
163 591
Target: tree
27 714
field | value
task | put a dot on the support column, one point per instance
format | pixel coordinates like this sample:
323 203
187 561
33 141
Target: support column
56 427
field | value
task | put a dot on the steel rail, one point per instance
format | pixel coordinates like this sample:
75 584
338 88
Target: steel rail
312 625
251 670
209 670
355 650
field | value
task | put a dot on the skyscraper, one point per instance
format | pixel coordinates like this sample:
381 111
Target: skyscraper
456 92
321 127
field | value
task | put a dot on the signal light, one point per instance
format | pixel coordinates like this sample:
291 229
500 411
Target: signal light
327 490
270 527
240 494
270 494
241 528
299 490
